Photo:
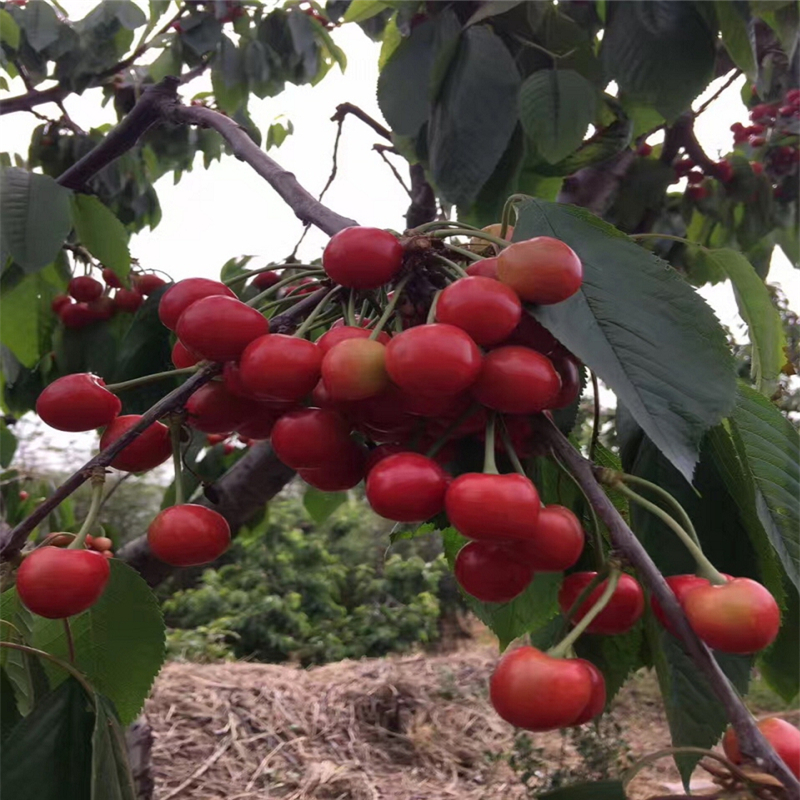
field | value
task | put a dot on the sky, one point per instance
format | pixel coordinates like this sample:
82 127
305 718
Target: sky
228 210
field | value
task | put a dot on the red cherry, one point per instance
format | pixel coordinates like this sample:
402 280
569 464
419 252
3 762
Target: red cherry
541 270
644 150
57 583
232 378
557 541
385 412
60 301
111 279
724 171
406 487
77 402
149 449
597 702
569 370
23 496
383 451
783 737
740 616
534 691
362 258
219 328
485 268
489 572
683 167
280 367
128 300
355 369
183 358
340 333
259 424
758 169
695 176
757 141
213 409
622 612
680 585
188 535
433 359
493 507
516 380
103 308
76 315
148 283
530 333
310 437
696 193
345 473
264 280
215 438
180 296
85 289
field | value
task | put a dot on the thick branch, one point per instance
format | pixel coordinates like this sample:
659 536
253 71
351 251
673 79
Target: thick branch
29 100
595 187
751 741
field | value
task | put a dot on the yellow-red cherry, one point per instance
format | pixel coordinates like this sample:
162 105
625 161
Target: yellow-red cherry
355 369
339 333
541 270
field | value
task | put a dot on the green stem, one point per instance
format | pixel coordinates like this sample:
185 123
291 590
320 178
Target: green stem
463 252
154 378
510 451
459 271
251 272
489 463
309 320
564 645
50 657
651 758
175 438
281 301
276 287
70 642
669 236
432 310
505 219
489 237
602 574
389 310
98 484
704 567
440 224
350 319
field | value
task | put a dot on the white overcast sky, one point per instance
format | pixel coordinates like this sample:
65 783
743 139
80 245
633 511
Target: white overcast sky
228 210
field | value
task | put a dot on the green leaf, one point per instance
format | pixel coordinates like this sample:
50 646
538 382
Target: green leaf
735 31
617 657
9 30
34 217
8 445
19 320
596 790
22 669
659 52
101 233
360 10
555 109
41 24
130 16
390 42
320 505
111 774
228 78
9 715
278 132
641 328
413 533
119 641
492 9
464 146
780 664
168 63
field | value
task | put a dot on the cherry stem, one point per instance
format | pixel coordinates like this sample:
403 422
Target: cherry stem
459 271
505 219
651 758
510 451
68 636
389 310
98 484
250 272
453 426
309 320
602 574
281 301
76 673
489 237
440 224
432 310
350 317
177 458
563 646
453 248
276 287
153 378
489 463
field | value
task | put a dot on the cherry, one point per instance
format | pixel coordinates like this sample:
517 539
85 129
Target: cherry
486 309
180 296
302 287
23 496
385 412
111 279
188 535
695 176
340 475
516 380
485 268
541 270
264 280
532 334
622 612
644 150
259 424
280 367
557 541
76 315
406 487
739 616
382 451
103 308
310 437
213 409
340 333
85 289
433 359
101 543
78 402
783 737
219 328
493 507
696 193
485 247
149 449
60 301
680 585
128 300
537 692
490 572
57 583
355 369
183 358
569 370
148 283
597 702
362 258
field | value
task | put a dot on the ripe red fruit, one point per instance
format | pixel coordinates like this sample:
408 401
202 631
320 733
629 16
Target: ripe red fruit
280 367
180 296
188 535
783 737
532 334
264 280
433 359
516 380
406 487
557 541
622 612
355 369
541 270
493 507
724 171
757 141
76 315
85 289
695 176
696 193
148 283
103 308
56 583
485 268
149 449
213 409
182 358
490 572
485 308
740 616
23 495
757 167
569 370
532 690
310 437
340 333
260 422
219 328
78 402
644 150
382 451
128 300
680 585
60 301
338 476
111 279
597 701
362 258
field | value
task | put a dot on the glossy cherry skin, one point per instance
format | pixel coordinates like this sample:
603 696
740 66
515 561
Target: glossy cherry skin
624 608
406 487
489 572
103 308
85 289
557 541
111 279
148 283
56 583
516 380
597 702
259 422
531 333
264 280
280 367
680 585
433 359
183 358
534 691
146 451
219 328
485 308
339 333
346 472
76 315
60 301
78 402
485 268
128 300
355 369
180 296
493 507
310 437
569 370
783 736
541 270
188 535
362 258
383 451
740 616
213 409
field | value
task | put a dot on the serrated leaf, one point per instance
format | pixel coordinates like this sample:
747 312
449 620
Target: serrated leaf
596 790
9 30
19 666
320 505
411 533
19 320
390 42
111 774
780 664
168 63
555 109
102 234
617 657
130 16
736 37
41 25
641 328
360 10
34 217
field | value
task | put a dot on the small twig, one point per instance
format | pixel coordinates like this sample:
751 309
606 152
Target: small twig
116 486
381 150
596 417
343 109
201 769
70 642
734 76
